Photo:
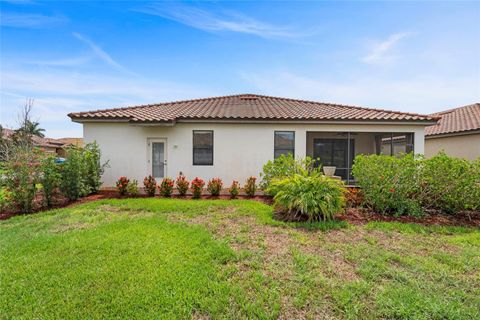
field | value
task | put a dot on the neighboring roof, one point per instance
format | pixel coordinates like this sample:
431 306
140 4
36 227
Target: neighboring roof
78 142
38 141
245 107
457 120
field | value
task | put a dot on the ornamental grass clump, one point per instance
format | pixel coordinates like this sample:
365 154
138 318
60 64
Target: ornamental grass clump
150 185
251 186
309 197
196 186
234 189
166 187
122 184
214 186
182 185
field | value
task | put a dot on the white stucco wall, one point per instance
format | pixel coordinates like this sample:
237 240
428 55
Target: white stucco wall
240 150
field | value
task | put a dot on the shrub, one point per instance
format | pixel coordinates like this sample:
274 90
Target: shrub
166 187
5 198
93 167
74 174
251 186
20 177
314 196
389 184
122 184
450 184
286 166
354 197
197 186
132 188
214 186
182 185
150 185
234 189
50 179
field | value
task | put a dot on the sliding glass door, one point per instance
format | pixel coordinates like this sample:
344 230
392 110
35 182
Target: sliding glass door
334 152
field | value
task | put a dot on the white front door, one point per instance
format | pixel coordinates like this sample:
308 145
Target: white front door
158 158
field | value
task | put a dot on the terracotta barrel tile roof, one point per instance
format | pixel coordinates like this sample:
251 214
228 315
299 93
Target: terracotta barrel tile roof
245 107
457 120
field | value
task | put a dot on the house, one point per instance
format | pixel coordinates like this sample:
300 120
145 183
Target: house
48 145
457 133
232 137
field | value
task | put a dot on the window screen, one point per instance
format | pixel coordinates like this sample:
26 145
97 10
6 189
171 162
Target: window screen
202 148
284 143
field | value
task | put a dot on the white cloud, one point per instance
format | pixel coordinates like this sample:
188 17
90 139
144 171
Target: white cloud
426 94
69 62
99 52
208 21
30 20
380 51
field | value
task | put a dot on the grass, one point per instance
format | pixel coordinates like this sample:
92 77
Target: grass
167 258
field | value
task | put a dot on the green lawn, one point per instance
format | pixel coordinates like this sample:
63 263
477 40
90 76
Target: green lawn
165 258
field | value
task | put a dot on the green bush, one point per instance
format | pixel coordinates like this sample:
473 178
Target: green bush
20 177
286 166
93 167
50 179
250 186
450 184
313 196
410 185
389 184
74 173
132 188
5 199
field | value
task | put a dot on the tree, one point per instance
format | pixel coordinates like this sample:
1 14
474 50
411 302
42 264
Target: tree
33 128
28 127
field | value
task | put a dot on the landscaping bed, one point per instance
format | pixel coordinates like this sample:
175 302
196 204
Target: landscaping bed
362 216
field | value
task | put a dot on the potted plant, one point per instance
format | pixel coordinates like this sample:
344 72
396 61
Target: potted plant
329 170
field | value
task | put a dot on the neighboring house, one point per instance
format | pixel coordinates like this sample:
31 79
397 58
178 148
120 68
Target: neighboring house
232 137
48 145
457 133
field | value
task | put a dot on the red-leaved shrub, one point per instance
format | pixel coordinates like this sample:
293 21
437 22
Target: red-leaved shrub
150 185
166 187
234 189
122 184
251 186
214 186
182 185
197 186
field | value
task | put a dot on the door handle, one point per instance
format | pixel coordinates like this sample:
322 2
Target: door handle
165 162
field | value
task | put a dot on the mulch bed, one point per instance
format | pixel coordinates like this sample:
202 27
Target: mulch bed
359 216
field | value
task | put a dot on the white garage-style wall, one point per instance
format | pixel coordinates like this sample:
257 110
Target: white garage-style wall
240 149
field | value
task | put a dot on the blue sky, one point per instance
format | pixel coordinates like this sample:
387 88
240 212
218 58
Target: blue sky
70 56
